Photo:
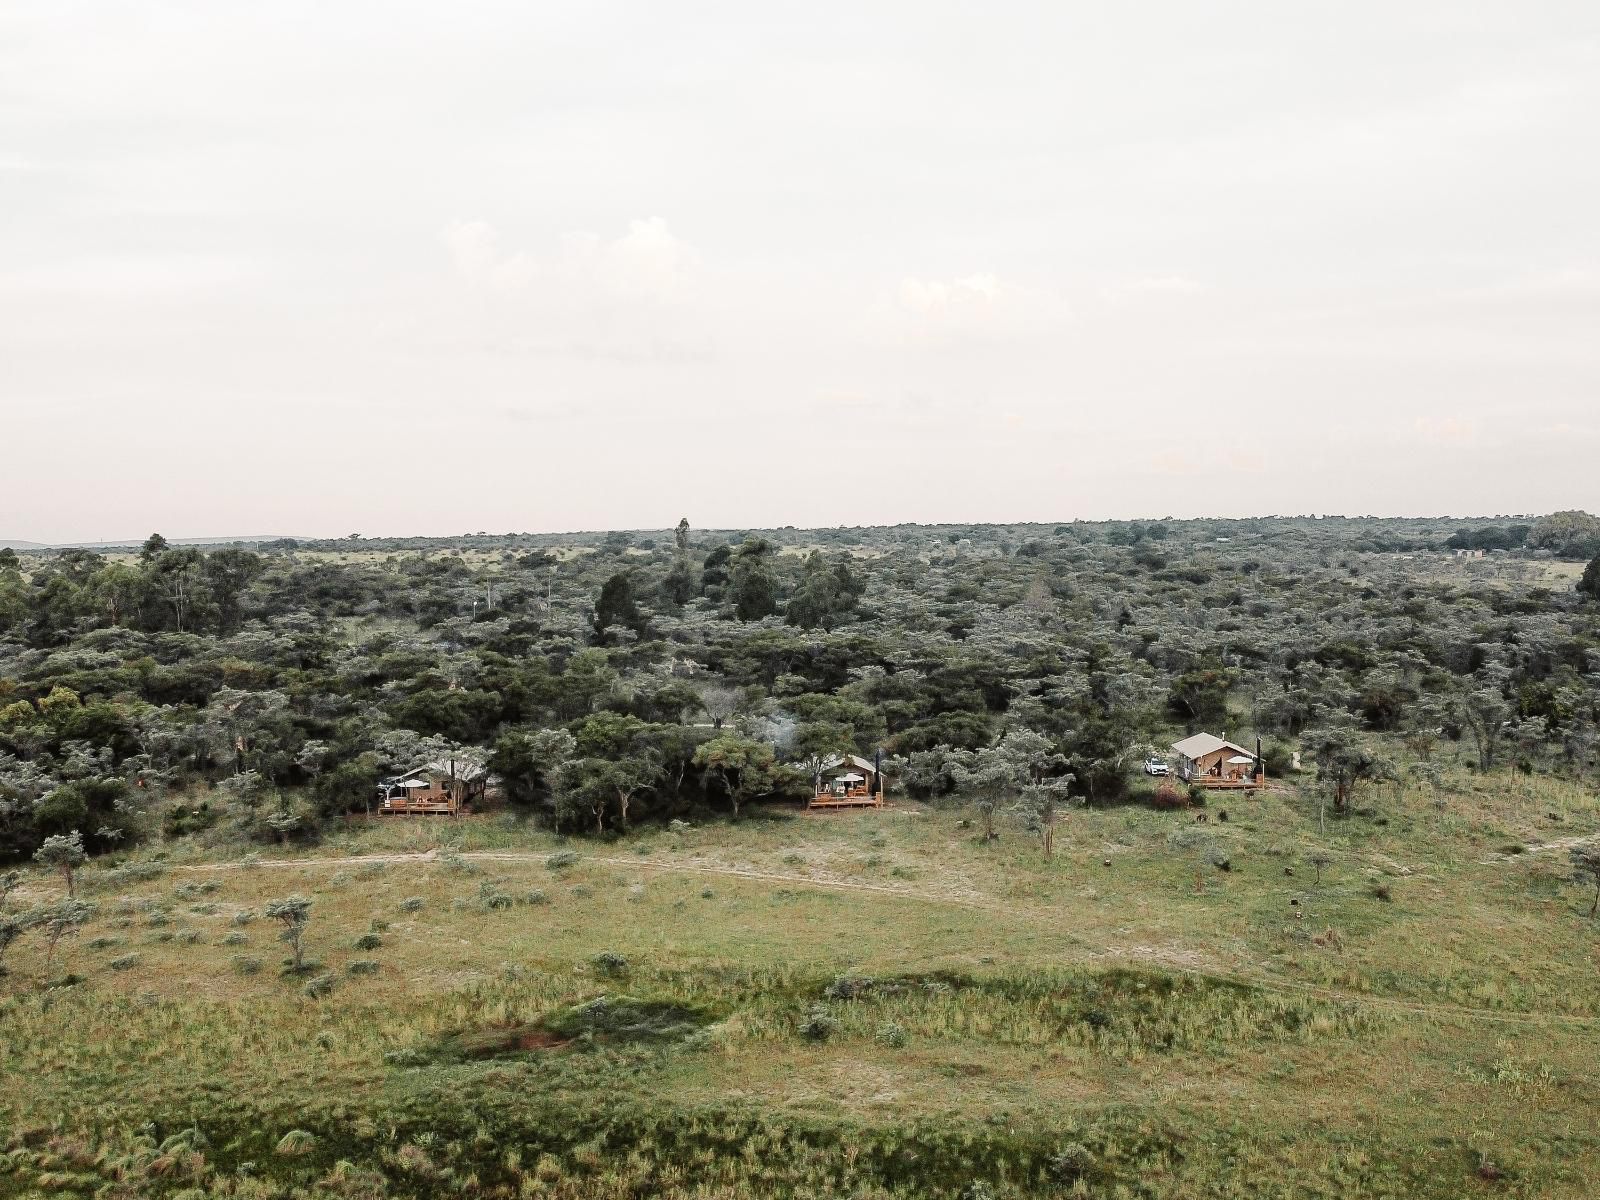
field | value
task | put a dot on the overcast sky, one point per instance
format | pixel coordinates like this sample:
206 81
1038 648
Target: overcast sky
333 267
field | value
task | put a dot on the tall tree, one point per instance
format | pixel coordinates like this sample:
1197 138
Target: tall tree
753 582
743 769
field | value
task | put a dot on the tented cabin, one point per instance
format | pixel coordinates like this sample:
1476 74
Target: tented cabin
443 788
1215 762
848 782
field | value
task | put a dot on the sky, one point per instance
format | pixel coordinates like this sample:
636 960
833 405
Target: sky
319 268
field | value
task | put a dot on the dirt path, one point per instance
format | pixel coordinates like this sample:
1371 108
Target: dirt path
1175 961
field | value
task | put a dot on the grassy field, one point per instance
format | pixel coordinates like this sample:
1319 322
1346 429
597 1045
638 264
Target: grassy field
858 1004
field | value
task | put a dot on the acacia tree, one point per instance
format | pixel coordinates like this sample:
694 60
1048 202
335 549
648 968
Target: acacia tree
63 852
1484 712
1021 758
1041 803
1586 869
1589 585
742 768
527 761
62 919
814 744
591 785
1344 763
10 931
293 912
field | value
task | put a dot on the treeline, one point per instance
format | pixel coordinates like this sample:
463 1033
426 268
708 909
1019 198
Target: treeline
258 694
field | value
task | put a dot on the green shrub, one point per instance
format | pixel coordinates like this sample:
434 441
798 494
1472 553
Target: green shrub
362 966
492 897
243 964
126 963
1071 1163
368 941
819 1025
610 965
412 904
319 986
561 859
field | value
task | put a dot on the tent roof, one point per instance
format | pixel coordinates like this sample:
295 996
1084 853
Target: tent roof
1201 744
849 760
465 769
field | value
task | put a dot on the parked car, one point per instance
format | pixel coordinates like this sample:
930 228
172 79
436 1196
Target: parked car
1156 766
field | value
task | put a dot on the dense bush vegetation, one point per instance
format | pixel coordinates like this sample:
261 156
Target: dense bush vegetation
612 679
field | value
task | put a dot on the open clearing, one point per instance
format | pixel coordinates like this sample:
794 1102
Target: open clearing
851 988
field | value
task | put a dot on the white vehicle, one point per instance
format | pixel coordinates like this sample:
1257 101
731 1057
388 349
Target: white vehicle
1156 766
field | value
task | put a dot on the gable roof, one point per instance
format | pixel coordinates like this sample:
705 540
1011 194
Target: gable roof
465 770
848 760
1201 744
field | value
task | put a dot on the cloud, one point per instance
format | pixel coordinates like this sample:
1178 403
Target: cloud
1152 287
475 251
647 263
976 307
629 299
1447 431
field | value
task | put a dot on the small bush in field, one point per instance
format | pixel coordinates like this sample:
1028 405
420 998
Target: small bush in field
362 966
244 916
610 965
126 963
319 987
819 1025
235 939
561 859
243 964
1071 1163
1168 795
892 1035
536 896
412 904
492 897
378 925
368 941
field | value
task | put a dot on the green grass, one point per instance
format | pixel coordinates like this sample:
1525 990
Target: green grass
1151 1027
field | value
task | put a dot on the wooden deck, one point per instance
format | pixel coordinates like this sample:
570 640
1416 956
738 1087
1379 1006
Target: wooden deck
860 798
417 808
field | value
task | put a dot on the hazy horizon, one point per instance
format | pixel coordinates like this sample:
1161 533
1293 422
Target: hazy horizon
715 527
403 269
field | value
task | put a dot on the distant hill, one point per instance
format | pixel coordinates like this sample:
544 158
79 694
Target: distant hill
20 544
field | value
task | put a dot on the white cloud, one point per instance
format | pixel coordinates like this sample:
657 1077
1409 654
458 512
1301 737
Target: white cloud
1152 287
980 307
1447 431
475 249
647 263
